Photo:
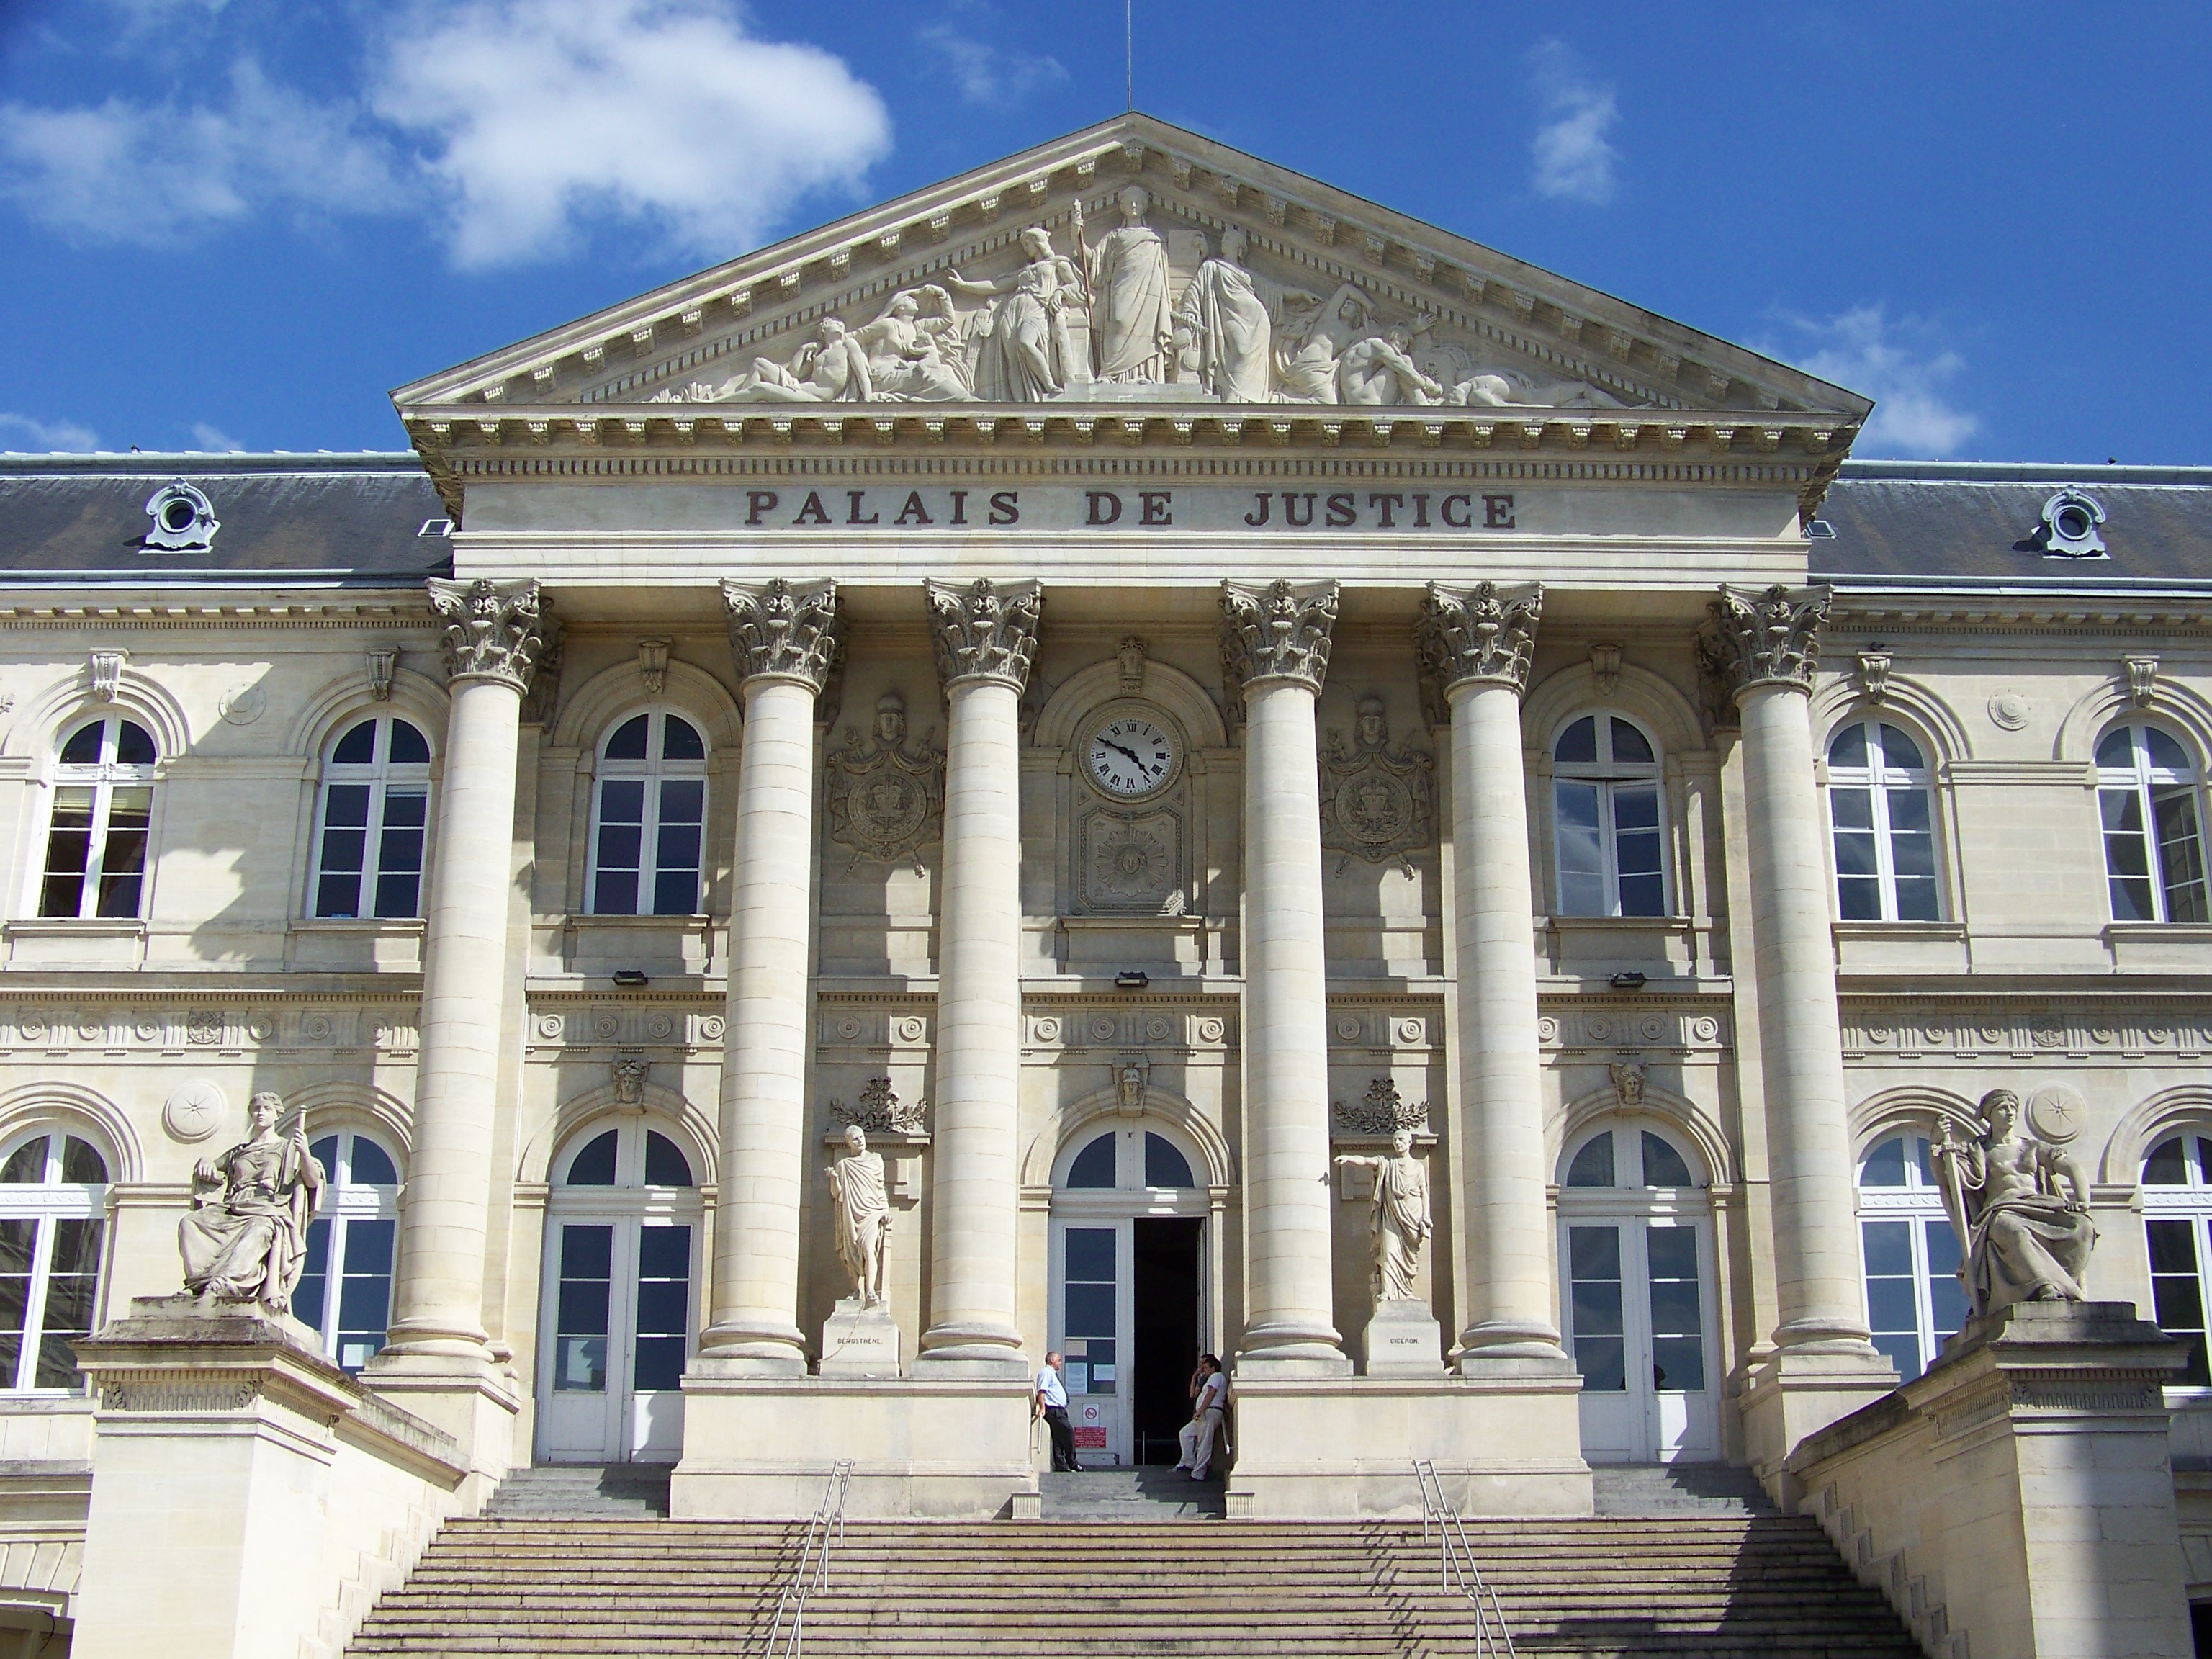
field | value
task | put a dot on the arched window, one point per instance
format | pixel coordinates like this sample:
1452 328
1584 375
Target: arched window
650 819
2177 1195
103 814
2154 847
54 1207
375 812
354 1230
1885 835
1914 1298
1606 808
1103 1165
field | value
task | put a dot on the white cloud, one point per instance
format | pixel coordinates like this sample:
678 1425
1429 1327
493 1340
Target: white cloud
44 436
215 440
1902 367
540 113
153 174
1573 157
984 73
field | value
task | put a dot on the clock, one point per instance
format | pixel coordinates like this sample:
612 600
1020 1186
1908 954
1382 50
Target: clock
1131 756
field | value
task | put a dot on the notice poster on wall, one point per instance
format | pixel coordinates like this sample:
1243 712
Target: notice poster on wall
1079 1376
1091 1428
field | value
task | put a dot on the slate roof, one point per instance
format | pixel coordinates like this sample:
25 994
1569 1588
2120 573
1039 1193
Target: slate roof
1951 523
352 521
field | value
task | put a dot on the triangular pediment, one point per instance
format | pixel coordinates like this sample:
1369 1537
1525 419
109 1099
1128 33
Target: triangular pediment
940 304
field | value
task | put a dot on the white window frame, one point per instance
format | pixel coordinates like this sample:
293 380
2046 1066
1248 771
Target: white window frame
48 1201
1917 1203
1610 777
344 1201
1876 779
103 777
2150 783
2191 1202
382 778
653 772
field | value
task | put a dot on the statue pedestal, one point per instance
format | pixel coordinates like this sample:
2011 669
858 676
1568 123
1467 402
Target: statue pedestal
859 1340
1402 1339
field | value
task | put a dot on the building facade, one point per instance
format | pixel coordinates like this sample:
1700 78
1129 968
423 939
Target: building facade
1127 711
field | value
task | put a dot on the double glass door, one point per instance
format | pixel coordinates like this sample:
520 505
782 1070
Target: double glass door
617 1322
1127 1316
1637 1324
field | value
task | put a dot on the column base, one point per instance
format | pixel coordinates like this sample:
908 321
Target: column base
1401 1339
1799 1390
1324 1451
973 1353
935 1447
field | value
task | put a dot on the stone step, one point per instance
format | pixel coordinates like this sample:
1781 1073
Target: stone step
1666 1489
581 1491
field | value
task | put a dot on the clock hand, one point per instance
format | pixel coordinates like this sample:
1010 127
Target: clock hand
1130 753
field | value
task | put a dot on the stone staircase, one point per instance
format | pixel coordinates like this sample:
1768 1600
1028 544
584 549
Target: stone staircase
579 1491
1728 1586
1146 1493
1658 1489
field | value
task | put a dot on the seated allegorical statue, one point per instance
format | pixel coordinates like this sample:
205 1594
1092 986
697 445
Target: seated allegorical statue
2022 1207
246 1237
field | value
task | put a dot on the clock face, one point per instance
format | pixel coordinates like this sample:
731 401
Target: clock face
1129 755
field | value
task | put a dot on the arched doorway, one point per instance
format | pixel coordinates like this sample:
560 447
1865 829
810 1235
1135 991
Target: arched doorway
1636 1268
1129 1284
618 1308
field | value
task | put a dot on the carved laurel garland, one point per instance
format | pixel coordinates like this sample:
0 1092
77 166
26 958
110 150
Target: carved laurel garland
790 630
1770 638
1482 633
1381 1111
986 630
880 1111
1280 631
494 630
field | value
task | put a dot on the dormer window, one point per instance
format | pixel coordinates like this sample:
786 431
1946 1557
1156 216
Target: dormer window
183 520
2069 526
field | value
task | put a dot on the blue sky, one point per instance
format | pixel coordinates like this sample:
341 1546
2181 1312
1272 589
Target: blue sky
236 223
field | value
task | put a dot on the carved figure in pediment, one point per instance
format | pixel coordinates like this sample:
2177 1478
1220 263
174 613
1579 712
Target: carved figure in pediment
245 1239
917 348
1132 323
1228 313
1375 801
886 799
1306 362
832 369
1502 389
1025 348
1380 369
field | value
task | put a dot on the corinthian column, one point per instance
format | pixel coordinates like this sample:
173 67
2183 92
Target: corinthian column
497 633
1274 641
1474 643
1762 647
785 637
984 635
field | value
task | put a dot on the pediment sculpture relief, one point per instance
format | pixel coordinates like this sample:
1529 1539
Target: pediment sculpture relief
1134 316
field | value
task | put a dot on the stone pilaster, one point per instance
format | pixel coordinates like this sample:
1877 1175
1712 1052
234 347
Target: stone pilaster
1275 644
984 635
1761 647
1474 646
785 637
496 634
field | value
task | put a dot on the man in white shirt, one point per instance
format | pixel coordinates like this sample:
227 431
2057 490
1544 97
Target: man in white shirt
1050 1402
1209 1390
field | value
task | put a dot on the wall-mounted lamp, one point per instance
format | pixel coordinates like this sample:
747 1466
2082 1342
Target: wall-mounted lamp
630 977
1631 981
1132 979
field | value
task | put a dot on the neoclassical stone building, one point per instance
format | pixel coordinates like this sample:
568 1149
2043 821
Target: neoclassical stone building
1125 709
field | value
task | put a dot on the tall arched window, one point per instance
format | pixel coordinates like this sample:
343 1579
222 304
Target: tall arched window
2154 847
2177 1197
1606 806
103 814
345 1292
53 1208
1914 1298
375 812
650 819
1885 834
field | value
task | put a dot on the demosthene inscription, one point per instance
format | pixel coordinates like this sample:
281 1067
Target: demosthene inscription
1063 508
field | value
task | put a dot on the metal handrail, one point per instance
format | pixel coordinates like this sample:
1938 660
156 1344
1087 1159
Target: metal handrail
1456 1563
811 1573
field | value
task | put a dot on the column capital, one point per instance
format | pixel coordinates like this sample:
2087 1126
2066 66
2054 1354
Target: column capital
494 630
986 630
1753 638
784 629
1482 635
1278 630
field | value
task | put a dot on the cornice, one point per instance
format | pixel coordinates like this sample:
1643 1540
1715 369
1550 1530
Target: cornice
407 607
2119 608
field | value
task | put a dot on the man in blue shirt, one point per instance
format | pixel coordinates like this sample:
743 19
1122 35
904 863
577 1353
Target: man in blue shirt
1051 1403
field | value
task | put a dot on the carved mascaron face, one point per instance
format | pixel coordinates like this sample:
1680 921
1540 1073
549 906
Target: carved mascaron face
1130 756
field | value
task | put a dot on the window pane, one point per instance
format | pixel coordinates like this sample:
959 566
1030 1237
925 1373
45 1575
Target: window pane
134 746
1899 752
82 748
357 747
27 1163
1094 1165
1851 808
665 1165
1678 1363
72 1285
1663 1166
1596 1307
69 852
664 1253
2116 749
2165 754
1089 1253
1593 1165
1603 1362
1673 1253
1582 863
2172 1247
1902 1350
2180 853
307 1301
409 746
1848 748
628 740
2127 855
372 1164
1636 849
1164 1165
80 1165
1090 1309
593 1167
680 740
1908 811
1888 1246
1579 742
123 860
1885 1164
2166 1166
1629 746
1593 1253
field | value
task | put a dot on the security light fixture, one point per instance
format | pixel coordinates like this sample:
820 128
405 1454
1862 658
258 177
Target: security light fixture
1631 981
1132 979
630 977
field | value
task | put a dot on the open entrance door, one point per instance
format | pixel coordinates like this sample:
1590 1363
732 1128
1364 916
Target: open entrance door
1166 1338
